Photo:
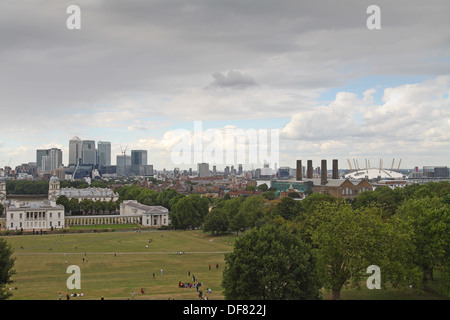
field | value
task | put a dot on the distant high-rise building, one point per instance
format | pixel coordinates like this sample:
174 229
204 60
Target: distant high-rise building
138 157
203 170
88 152
39 154
138 161
123 165
75 145
104 153
240 169
48 159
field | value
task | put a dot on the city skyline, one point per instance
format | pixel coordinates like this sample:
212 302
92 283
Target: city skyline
136 73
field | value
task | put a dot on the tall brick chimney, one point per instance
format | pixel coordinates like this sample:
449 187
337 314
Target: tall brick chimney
299 170
335 174
323 173
309 170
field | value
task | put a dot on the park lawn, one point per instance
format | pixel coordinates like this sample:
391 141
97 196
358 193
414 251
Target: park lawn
114 264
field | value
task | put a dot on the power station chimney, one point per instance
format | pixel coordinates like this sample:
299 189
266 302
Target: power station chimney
299 170
335 174
309 171
323 173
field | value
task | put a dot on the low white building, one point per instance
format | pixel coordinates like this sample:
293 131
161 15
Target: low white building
152 216
34 216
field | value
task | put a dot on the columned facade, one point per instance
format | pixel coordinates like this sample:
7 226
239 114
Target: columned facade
102 220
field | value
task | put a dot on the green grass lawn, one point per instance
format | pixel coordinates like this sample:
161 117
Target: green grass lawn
115 263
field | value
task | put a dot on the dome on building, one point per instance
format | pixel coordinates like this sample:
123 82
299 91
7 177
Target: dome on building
54 179
375 174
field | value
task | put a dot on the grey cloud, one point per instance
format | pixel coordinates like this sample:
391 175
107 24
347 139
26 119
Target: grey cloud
233 79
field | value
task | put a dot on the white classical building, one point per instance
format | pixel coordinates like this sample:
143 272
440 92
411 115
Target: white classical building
34 215
94 194
151 216
46 215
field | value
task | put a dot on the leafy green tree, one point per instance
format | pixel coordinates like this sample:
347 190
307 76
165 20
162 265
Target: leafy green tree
74 205
6 268
269 195
253 208
165 196
270 263
430 220
147 196
99 206
216 221
87 205
262 187
111 206
188 212
347 241
239 222
64 201
288 208
383 197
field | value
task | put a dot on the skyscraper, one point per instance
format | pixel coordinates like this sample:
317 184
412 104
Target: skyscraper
138 161
88 153
75 145
123 164
104 153
48 159
203 170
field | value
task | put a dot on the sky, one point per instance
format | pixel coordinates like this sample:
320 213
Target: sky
310 76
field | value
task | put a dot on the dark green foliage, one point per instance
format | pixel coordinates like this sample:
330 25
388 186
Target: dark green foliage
271 263
6 268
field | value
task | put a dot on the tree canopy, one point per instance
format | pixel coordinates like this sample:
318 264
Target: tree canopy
271 263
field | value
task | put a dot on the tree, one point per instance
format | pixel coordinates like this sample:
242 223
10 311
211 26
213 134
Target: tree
430 220
239 222
253 208
288 208
6 268
74 205
165 196
269 195
216 221
347 241
250 188
188 212
87 205
111 206
99 206
270 263
64 201
262 187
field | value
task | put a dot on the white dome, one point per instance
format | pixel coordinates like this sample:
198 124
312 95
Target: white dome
54 179
375 174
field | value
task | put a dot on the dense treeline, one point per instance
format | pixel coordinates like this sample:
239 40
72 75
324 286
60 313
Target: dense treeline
34 187
404 232
31 187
